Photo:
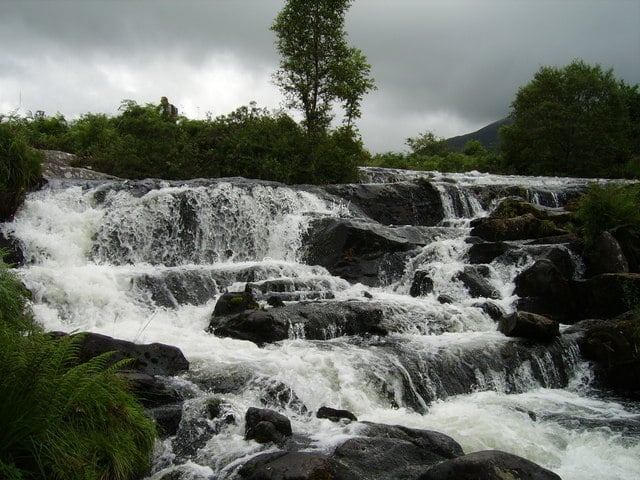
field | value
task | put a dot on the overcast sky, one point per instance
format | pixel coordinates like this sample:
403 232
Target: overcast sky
449 66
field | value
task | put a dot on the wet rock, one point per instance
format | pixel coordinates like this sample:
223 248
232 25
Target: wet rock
422 284
14 256
234 302
530 326
473 277
380 458
609 294
495 311
404 203
517 228
292 466
264 426
150 359
360 251
335 415
486 252
545 290
435 442
256 326
167 419
151 391
606 256
511 207
488 465
613 346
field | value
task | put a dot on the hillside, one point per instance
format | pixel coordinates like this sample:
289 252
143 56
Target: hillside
488 136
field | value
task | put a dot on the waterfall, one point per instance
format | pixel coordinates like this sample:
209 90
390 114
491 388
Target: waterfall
146 261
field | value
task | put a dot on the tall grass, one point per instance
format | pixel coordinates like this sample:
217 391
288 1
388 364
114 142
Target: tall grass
61 419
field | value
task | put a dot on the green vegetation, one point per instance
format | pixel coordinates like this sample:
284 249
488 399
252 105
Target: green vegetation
613 209
430 152
574 121
60 419
318 68
20 167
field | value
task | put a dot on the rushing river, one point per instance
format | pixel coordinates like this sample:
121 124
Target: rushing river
147 261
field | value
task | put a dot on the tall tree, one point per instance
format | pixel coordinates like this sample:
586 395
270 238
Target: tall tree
318 68
569 121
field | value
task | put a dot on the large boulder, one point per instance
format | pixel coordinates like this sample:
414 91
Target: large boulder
402 203
257 326
530 326
264 425
151 359
606 256
486 252
608 295
422 284
474 278
522 227
488 465
545 290
360 251
613 346
293 466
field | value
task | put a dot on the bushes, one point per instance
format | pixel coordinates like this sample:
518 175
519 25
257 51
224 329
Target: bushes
61 419
614 209
20 167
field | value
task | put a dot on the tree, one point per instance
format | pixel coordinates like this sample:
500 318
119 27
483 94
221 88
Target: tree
569 121
318 68
428 144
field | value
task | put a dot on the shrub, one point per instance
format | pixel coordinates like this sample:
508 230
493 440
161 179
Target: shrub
614 209
20 167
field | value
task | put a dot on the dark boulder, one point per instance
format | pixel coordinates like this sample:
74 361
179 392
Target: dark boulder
495 311
435 442
402 203
380 458
293 466
151 391
530 326
486 252
488 465
360 251
234 302
150 359
545 291
264 426
14 256
256 326
613 347
609 294
421 285
167 418
335 415
606 256
517 228
511 207
474 278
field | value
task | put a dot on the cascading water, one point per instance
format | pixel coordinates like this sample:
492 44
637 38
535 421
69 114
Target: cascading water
147 261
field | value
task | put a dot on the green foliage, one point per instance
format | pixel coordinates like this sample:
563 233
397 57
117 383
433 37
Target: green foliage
61 419
317 67
613 209
428 144
573 121
20 167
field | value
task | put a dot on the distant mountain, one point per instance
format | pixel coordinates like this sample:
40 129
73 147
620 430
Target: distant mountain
487 136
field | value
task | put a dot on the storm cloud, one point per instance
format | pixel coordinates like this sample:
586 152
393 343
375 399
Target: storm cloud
444 66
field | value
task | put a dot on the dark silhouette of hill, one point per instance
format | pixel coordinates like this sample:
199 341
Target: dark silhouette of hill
487 136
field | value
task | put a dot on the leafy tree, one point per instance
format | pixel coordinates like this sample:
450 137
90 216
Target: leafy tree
569 121
428 144
318 68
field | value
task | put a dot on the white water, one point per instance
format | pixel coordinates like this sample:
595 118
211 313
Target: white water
83 279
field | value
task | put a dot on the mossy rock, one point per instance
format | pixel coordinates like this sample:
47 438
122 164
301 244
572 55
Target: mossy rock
515 207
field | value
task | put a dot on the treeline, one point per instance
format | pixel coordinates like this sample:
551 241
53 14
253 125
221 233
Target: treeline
146 141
